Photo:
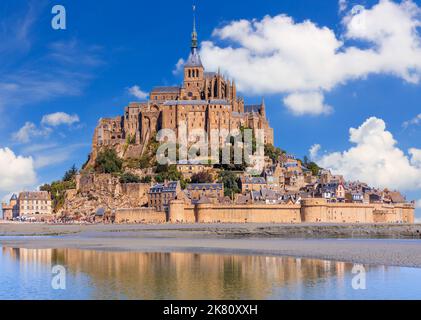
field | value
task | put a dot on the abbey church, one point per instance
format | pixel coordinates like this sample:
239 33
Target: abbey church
205 100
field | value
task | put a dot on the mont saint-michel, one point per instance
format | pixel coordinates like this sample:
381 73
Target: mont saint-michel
266 151
123 181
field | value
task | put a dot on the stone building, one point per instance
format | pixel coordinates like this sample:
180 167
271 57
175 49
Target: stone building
189 169
197 191
161 194
11 210
252 184
35 204
205 100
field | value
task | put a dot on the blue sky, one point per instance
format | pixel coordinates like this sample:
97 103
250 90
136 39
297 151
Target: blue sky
83 73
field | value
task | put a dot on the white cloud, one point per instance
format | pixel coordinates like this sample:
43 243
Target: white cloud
29 131
413 122
138 93
179 66
415 156
314 151
59 118
277 55
307 103
343 5
418 204
376 159
16 172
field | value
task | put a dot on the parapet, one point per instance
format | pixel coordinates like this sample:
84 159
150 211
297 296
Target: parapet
314 202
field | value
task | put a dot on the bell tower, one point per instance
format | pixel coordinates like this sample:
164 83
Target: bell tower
193 68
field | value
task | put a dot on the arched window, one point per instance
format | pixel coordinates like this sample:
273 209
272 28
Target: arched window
189 73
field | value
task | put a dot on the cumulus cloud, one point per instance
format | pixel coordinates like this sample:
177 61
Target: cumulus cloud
16 172
179 66
59 118
376 159
138 93
415 156
307 103
314 151
29 131
277 55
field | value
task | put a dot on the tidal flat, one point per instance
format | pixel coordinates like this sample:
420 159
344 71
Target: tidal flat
388 245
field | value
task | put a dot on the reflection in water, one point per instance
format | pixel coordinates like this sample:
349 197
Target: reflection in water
129 275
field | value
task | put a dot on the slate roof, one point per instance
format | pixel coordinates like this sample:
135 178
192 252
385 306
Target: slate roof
252 108
253 180
194 59
206 186
38 195
210 74
220 101
196 102
185 102
166 89
162 188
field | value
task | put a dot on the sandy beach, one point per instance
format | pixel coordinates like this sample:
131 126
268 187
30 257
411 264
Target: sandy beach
391 245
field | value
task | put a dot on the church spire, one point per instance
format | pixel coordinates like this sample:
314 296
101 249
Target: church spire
194 57
194 33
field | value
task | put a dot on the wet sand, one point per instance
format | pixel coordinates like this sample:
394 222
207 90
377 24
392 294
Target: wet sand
347 243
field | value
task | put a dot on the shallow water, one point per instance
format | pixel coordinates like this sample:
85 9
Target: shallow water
27 274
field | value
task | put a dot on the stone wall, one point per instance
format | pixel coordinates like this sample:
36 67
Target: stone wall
319 210
140 215
210 213
309 211
257 213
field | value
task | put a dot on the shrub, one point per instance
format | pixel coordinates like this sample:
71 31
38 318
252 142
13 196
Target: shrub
272 152
202 177
231 183
129 178
147 179
108 161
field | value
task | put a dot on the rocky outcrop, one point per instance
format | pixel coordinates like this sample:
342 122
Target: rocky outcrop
102 191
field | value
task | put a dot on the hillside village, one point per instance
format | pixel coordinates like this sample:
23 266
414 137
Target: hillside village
123 182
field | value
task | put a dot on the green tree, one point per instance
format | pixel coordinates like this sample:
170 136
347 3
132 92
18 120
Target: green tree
70 174
129 178
170 173
146 179
202 177
314 168
231 183
58 189
166 172
272 152
108 161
